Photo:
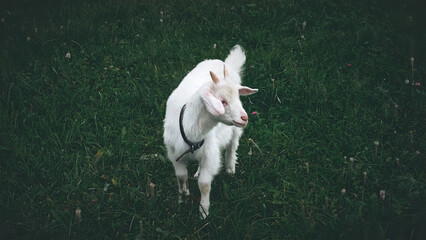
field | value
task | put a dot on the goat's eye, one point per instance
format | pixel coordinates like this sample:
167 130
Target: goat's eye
224 102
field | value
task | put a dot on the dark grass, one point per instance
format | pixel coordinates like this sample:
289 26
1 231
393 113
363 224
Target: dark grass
86 132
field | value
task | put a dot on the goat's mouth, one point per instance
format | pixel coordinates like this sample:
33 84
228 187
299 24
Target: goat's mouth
239 124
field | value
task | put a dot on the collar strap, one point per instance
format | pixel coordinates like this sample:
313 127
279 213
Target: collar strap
192 146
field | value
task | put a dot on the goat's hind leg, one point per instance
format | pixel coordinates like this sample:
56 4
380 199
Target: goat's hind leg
181 172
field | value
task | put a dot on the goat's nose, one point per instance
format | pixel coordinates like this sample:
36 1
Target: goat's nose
244 118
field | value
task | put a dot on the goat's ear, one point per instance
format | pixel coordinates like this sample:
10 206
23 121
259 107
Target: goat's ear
225 72
245 91
213 105
214 77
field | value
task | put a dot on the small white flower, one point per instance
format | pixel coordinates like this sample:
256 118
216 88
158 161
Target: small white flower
151 188
382 194
304 25
28 39
214 46
343 191
78 214
106 187
303 37
61 27
407 81
376 143
68 55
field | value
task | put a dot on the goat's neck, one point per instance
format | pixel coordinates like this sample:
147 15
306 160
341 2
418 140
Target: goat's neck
197 122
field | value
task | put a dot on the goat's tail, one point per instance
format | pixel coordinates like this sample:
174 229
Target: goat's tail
236 59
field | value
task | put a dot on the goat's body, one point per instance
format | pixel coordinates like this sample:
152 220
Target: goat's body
186 93
199 124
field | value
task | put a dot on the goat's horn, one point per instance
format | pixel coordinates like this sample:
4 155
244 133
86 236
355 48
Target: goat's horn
214 77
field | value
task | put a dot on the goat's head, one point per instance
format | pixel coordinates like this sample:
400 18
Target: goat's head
222 100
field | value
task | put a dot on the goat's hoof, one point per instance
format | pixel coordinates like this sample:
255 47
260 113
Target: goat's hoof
197 173
180 199
204 212
230 170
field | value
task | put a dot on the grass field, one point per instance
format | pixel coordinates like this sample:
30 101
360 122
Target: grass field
336 151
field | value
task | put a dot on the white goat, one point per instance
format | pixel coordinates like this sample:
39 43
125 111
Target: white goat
204 115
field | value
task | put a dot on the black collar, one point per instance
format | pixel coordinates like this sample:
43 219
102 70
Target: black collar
192 146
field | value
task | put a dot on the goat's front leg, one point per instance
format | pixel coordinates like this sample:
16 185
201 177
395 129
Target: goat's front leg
209 167
231 150
181 172
204 183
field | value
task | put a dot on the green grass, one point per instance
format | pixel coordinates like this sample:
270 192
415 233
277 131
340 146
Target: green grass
86 132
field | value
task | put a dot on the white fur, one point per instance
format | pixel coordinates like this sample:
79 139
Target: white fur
237 59
203 91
